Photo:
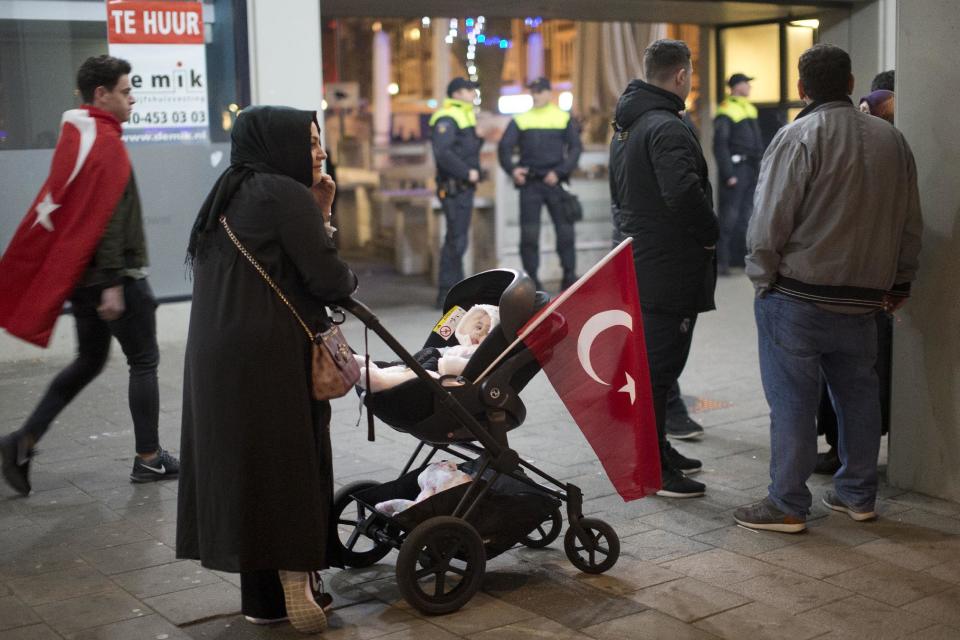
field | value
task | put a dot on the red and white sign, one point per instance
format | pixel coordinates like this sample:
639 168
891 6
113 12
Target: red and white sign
155 22
164 42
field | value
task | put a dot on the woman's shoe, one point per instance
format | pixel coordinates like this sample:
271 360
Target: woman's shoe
305 613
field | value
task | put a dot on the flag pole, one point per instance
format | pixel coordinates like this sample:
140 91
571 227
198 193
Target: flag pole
556 302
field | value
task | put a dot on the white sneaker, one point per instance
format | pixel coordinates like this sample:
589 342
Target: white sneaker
253 620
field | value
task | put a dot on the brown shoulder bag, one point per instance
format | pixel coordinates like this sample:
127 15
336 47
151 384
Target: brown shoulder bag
334 369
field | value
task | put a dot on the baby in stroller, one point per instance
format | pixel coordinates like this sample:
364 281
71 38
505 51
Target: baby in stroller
470 328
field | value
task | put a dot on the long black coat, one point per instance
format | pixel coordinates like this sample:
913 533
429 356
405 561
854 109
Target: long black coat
256 477
661 191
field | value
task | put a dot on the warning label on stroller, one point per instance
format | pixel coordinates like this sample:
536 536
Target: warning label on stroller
447 325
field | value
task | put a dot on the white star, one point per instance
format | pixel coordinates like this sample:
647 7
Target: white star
630 387
44 209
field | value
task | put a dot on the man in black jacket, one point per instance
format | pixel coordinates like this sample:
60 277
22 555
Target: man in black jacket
659 185
456 151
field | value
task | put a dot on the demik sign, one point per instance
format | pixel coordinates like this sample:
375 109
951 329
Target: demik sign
164 43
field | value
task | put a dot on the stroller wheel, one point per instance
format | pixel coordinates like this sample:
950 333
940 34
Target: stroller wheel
441 565
357 549
546 532
598 552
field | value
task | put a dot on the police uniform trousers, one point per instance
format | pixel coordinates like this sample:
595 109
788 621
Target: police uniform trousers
533 196
736 206
457 209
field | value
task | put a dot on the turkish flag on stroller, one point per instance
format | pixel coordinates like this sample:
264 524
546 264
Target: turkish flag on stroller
589 341
57 238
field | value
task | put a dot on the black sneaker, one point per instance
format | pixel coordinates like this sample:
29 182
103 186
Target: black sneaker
160 468
683 428
680 462
677 485
16 463
827 463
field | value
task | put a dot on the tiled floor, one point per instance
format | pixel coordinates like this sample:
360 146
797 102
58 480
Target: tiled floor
89 555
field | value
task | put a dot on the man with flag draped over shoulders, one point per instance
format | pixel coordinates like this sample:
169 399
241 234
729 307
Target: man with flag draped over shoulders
83 240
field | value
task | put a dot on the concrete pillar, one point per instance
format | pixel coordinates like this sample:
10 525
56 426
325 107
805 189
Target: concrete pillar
381 97
925 416
285 53
534 56
441 59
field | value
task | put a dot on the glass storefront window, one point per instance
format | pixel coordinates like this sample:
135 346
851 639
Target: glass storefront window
755 51
42 45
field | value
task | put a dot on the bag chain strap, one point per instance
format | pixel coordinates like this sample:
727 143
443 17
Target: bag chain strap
263 274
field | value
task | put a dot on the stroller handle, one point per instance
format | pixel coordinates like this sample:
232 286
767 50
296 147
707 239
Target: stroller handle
367 317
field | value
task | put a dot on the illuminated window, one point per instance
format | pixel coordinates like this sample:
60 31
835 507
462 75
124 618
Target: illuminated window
799 39
754 51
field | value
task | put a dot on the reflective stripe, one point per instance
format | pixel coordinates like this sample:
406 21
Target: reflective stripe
737 109
461 112
547 117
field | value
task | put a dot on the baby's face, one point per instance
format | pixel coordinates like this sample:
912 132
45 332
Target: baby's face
479 329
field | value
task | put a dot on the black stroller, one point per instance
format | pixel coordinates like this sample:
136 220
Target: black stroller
445 540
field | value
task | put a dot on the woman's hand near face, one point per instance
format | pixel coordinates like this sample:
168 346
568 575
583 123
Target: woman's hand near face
324 190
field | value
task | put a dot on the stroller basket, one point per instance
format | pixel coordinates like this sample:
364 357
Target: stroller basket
508 512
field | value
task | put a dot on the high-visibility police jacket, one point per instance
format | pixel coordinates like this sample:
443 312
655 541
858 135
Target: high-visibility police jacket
736 133
549 140
456 146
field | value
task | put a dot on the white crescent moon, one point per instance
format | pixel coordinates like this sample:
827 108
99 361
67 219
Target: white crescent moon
594 327
87 126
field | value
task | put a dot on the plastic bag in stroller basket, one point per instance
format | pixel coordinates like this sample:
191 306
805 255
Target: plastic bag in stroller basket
508 512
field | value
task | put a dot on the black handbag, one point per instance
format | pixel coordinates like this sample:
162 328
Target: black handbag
570 206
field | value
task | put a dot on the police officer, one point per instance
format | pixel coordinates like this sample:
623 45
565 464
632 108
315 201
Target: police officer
549 141
738 148
456 150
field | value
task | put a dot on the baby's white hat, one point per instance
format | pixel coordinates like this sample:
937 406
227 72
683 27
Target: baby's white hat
463 337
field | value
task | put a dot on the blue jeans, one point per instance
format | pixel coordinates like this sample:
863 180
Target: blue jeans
799 342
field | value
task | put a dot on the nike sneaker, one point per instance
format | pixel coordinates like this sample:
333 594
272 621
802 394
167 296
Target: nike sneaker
160 468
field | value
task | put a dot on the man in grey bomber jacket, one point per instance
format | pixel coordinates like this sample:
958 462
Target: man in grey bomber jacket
834 239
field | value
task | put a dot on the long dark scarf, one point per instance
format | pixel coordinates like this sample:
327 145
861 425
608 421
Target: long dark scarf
264 140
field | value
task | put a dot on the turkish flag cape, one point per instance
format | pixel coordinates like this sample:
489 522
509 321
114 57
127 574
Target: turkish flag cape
590 344
57 238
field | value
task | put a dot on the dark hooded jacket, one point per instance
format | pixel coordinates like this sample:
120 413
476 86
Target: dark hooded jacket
660 189
256 478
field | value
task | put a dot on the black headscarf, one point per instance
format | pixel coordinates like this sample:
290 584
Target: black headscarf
264 140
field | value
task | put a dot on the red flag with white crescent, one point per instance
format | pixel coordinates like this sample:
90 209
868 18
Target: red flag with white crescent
57 238
590 343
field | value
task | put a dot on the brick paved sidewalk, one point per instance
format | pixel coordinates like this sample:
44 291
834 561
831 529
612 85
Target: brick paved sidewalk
88 555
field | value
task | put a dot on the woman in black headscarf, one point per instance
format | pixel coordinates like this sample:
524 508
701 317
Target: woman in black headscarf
256 479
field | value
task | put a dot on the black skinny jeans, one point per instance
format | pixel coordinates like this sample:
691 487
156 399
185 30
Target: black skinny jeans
668 339
136 331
